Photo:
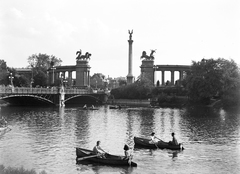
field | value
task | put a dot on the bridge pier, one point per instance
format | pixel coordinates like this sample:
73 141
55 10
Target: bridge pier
61 96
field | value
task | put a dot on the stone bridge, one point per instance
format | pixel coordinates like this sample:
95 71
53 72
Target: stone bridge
51 96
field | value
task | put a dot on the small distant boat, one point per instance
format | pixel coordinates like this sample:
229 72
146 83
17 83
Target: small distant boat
113 160
144 143
89 108
114 107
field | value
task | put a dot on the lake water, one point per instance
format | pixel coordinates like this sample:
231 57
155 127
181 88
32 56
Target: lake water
45 139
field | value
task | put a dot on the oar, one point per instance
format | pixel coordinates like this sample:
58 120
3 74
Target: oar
86 157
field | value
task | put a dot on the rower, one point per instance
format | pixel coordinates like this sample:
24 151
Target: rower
154 139
98 150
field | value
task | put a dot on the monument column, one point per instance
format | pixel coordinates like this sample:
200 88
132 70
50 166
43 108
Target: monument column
130 76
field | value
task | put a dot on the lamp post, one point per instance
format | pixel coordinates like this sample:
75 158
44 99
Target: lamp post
32 79
11 79
53 68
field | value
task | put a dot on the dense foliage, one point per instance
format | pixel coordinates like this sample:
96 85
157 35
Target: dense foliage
210 78
3 72
141 89
40 64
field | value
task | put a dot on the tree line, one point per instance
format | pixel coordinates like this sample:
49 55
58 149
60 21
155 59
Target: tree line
39 65
207 79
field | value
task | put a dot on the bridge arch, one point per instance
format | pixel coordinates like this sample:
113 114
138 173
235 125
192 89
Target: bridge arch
82 99
18 99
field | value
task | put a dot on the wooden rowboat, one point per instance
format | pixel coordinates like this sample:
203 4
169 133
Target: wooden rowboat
144 143
113 160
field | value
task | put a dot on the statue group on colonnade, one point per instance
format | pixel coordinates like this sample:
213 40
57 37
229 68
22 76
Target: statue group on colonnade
81 56
146 57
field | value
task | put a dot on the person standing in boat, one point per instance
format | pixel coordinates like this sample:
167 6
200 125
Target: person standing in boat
154 139
174 140
98 150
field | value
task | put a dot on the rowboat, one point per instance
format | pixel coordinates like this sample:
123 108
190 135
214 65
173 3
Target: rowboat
113 160
145 143
114 107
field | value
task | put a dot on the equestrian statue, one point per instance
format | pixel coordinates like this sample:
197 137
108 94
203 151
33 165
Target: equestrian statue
146 57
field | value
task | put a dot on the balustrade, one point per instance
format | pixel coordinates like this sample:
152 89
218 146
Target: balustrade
54 90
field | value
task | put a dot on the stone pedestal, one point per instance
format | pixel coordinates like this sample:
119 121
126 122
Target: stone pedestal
82 73
147 70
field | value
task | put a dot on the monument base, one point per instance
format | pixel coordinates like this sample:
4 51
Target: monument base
130 79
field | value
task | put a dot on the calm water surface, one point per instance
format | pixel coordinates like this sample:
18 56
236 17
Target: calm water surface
45 139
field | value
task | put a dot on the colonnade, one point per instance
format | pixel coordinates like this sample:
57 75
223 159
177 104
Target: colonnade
182 69
172 79
77 76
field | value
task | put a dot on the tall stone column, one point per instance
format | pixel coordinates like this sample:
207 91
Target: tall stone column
70 78
163 77
172 77
130 76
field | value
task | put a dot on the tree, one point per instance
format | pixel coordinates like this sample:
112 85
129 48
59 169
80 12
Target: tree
141 89
40 64
209 77
122 82
3 72
97 81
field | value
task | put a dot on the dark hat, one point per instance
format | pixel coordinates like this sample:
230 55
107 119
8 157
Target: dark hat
126 147
152 133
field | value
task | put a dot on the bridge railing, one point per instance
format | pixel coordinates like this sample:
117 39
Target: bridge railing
76 91
54 90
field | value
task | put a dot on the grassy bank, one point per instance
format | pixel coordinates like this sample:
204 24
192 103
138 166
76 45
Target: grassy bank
14 170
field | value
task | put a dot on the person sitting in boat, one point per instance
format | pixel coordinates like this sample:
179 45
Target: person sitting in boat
85 106
174 140
127 153
98 150
154 139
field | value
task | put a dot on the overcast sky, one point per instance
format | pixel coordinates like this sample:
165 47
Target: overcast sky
180 30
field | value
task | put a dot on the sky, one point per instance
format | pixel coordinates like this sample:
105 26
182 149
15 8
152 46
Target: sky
181 31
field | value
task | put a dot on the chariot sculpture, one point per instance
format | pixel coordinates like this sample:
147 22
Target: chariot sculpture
146 57
81 56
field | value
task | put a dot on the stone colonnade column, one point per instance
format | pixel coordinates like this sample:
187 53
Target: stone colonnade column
172 77
163 76
70 78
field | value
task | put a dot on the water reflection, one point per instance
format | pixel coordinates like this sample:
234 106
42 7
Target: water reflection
45 138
